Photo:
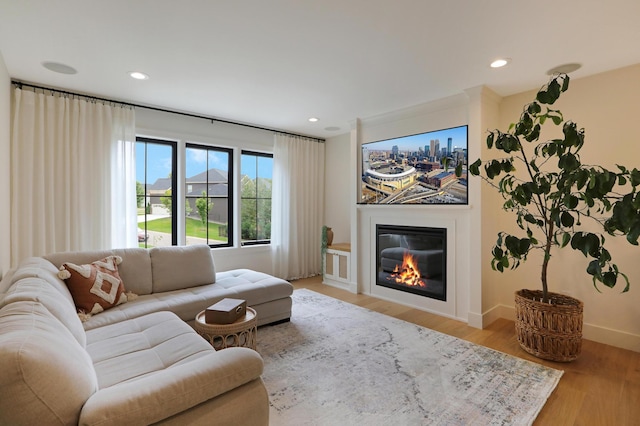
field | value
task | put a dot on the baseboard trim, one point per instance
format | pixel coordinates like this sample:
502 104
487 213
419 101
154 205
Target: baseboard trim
596 333
352 287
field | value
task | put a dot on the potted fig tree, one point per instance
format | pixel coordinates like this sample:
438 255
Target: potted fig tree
553 195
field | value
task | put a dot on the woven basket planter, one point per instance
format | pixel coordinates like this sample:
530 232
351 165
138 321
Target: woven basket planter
551 331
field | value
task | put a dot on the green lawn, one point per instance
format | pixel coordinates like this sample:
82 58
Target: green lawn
194 228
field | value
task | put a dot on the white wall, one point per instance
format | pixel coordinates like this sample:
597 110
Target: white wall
606 106
162 125
5 166
337 199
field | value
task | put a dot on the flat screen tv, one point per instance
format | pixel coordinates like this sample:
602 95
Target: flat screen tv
416 169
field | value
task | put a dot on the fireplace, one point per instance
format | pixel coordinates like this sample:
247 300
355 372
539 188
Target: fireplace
412 259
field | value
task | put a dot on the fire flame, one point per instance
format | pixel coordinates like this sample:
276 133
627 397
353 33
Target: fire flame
408 274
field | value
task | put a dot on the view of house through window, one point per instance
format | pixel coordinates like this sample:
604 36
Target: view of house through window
255 197
208 205
155 177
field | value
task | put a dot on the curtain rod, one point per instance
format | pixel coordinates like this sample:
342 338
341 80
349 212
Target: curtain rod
186 114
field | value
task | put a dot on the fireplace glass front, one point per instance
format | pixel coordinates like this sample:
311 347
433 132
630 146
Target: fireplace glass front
412 259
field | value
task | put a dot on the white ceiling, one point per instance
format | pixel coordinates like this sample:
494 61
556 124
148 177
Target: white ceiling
275 63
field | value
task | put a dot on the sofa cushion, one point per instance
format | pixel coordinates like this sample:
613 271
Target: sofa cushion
37 267
135 269
96 286
154 367
131 349
46 376
38 290
178 267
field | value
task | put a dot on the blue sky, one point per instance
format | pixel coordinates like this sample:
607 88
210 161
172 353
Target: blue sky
412 143
158 158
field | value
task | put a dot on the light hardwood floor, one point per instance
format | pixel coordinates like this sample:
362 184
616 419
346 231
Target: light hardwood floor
601 387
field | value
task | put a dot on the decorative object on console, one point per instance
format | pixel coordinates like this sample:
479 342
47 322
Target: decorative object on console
551 194
225 311
94 287
329 236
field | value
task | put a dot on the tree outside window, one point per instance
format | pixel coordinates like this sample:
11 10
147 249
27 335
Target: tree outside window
255 194
208 195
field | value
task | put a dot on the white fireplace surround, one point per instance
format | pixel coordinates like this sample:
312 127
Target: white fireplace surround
457 268
464 282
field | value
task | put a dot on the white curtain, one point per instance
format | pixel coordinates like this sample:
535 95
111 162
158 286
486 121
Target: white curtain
297 206
72 180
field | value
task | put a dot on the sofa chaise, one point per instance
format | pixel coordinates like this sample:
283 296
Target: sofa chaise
138 362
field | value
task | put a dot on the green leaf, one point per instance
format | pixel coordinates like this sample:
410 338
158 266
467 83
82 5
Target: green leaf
571 201
543 97
590 245
581 180
609 279
524 245
533 108
553 91
634 175
565 82
566 237
474 168
490 139
594 268
534 134
634 233
567 219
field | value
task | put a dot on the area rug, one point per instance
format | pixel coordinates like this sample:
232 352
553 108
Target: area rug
339 364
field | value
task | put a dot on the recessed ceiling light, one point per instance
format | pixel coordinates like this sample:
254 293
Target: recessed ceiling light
313 119
138 75
564 69
59 68
499 63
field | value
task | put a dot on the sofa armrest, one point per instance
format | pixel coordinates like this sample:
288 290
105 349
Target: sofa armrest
165 393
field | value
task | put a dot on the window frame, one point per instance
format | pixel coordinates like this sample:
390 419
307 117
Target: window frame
230 190
257 155
174 182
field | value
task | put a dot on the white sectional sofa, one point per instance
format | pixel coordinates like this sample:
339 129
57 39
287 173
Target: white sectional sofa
139 362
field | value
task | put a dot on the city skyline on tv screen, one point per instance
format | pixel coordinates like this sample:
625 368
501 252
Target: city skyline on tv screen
416 169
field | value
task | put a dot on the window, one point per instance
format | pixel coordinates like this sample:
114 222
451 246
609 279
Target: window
208 196
155 179
255 197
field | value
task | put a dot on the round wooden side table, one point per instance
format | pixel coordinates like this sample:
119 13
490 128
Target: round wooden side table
243 332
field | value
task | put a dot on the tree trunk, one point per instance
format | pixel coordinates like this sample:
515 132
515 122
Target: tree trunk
545 262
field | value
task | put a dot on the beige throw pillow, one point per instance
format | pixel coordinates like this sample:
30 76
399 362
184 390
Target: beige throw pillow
95 287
